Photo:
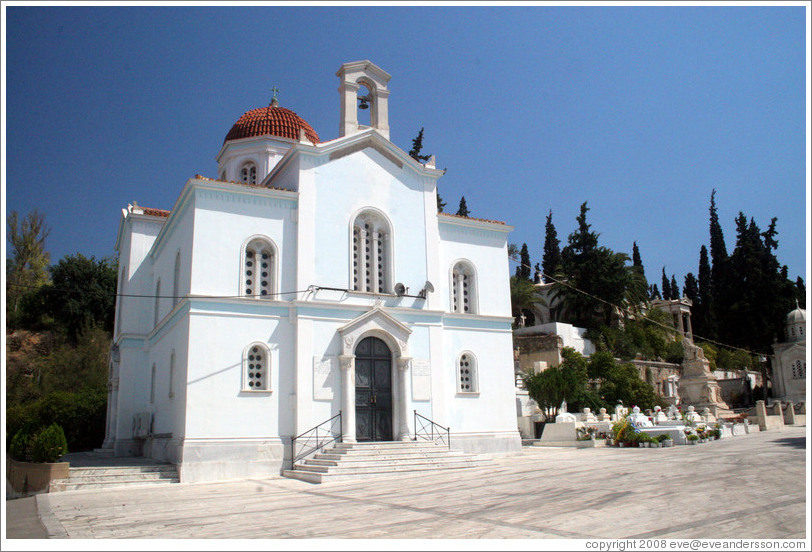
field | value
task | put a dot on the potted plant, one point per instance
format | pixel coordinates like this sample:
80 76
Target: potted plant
693 439
665 440
34 459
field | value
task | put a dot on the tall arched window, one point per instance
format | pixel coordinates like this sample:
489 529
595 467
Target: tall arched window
259 268
467 376
256 368
371 253
157 302
248 173
176 281
463 288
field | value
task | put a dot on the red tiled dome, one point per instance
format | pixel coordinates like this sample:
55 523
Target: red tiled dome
273 120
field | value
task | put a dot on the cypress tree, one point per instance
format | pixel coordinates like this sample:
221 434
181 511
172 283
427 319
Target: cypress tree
637 263
524 269
653 292
463 210
720 300
701 315
666 287
800 288
551 260
417 145
691 288
675 292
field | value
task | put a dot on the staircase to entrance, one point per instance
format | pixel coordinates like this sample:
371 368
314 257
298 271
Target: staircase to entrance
345 461
101 470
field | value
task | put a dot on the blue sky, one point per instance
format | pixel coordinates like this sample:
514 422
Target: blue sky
640 111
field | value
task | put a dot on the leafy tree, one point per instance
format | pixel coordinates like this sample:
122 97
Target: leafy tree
551 260
27 267
801 290
82 293
522 296
565 382
463 209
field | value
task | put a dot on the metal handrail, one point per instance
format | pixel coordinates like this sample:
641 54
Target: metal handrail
425 429
312 441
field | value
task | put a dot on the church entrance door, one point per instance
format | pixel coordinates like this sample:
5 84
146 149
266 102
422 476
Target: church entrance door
373 390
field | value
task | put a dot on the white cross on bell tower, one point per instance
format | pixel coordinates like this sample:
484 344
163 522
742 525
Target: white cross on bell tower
353 75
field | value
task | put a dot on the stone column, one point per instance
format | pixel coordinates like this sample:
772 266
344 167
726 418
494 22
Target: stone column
404 363
347 398
690 328
373 262
349 108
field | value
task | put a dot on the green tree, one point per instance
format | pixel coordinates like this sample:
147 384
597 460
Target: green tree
522 296
82 293
637 263
523 269
675 292
593 278
691 288
720 297
666 287
565 382
463 209
654 292
414 153
26 270
701 313
551 259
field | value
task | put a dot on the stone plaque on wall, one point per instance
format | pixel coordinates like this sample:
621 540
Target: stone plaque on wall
325 378
421 380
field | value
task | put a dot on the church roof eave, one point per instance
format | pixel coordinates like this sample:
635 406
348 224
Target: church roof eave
366 138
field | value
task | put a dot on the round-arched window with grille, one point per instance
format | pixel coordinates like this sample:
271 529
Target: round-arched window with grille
256 368
467 374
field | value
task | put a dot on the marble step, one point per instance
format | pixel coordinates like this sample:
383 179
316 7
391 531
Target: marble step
312 475
383 463
122 470
58 485
393 455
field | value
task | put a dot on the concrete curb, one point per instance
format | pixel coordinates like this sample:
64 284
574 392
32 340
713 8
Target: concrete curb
48 519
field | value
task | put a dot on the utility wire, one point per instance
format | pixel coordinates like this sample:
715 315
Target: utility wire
627 311
63 290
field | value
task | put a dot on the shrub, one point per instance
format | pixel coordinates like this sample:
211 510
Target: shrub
663 437
693 437
20 447
49 445
81 415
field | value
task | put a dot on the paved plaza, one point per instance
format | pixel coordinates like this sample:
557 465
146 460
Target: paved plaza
751 486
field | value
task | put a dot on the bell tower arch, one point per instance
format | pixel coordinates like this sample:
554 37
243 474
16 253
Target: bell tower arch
354 75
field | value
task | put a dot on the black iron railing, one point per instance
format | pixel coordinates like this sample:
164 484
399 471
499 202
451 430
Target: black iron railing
428 430
315 439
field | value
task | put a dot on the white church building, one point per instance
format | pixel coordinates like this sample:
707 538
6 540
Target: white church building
310 278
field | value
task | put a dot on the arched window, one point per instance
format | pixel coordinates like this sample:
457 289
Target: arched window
157 302
248 173
371 253
223 176
176 282
256 368
172 374
258 269
467 377
463 288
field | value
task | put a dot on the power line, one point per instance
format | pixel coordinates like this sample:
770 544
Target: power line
628 312
80 291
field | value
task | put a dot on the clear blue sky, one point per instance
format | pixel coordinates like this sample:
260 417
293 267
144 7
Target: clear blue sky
640 111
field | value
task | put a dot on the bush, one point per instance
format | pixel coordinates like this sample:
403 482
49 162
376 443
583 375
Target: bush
21 444
81 415
693 437
49 445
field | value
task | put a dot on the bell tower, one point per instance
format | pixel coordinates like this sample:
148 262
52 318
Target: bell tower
354 75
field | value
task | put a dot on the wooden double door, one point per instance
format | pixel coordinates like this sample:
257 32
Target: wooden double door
373 390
